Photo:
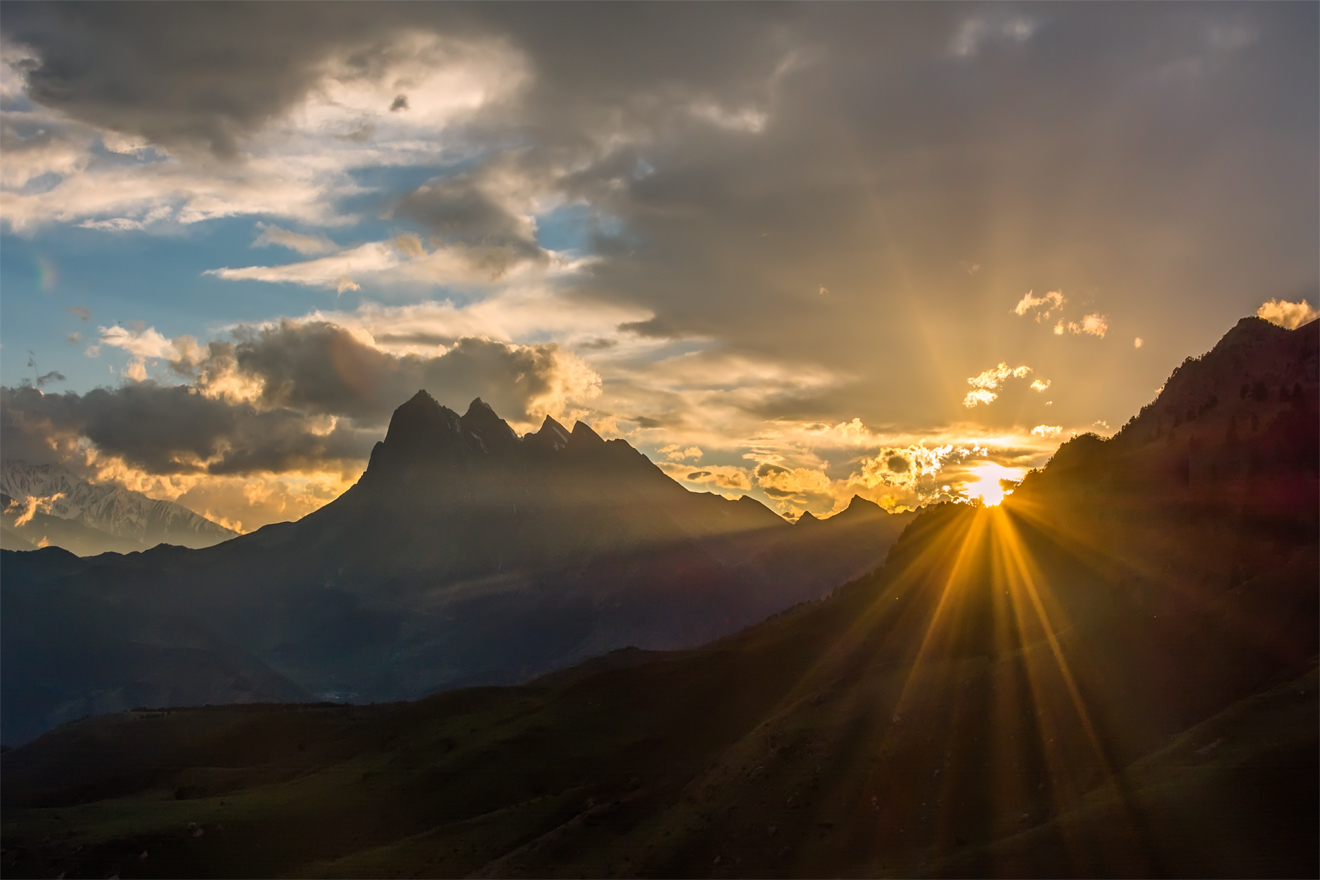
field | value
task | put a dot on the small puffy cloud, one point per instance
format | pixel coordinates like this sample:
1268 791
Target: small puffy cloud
674 452
795 483
1138 342
1093 325
1047 432
1041 306
141 342
987 383
303 244
1040 384
1290 315
734 479
82 313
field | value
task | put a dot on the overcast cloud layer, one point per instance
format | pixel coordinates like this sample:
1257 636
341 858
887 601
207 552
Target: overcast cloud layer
800 251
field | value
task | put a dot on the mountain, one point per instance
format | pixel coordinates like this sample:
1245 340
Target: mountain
465 554
57 508
1111 674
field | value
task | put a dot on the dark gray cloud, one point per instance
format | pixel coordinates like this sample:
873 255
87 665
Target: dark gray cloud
808 182
168 430
459 210
306 372
321 368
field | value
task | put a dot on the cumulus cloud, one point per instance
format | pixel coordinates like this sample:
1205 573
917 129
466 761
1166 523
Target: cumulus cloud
797 484
1040 385
139 341
1290 315
1046 432
987 383
674 452
289 397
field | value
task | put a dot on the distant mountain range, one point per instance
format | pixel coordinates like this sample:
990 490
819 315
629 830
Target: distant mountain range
1111 674
47 505
465 554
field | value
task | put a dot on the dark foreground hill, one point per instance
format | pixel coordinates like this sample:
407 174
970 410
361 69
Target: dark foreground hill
464 555
1112 674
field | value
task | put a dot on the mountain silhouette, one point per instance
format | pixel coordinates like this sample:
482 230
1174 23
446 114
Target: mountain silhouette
1111 674
465 554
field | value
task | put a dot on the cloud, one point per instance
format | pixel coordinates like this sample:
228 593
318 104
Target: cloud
139 341
797 484
491 207
674 452
1094 325
1042 306
1138 342
974 32
734 480
987 383
1040 385
1290 315
1047 432
303 244
82 313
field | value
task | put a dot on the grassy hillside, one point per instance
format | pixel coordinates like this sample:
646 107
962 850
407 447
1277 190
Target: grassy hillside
1112 674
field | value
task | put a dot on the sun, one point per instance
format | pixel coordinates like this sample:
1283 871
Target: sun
987 487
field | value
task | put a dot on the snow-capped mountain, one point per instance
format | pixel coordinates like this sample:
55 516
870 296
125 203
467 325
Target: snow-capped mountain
130 518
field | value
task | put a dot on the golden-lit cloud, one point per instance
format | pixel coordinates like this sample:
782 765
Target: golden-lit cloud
987 383
1040 384
1093 325
1290 315
734 481
1040 306
674 452
1047 431
792 484
1138 342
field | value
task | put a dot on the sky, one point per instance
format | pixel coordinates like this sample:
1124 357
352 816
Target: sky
796 251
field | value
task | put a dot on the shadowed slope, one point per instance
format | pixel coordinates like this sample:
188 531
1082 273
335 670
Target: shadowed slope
463 555
1104 676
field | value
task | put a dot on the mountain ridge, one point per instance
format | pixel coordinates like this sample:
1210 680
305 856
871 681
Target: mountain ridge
468 555
131 520
1113 673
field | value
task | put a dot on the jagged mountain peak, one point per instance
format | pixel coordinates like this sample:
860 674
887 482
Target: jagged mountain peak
486 430
860 507
551 436
582 432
